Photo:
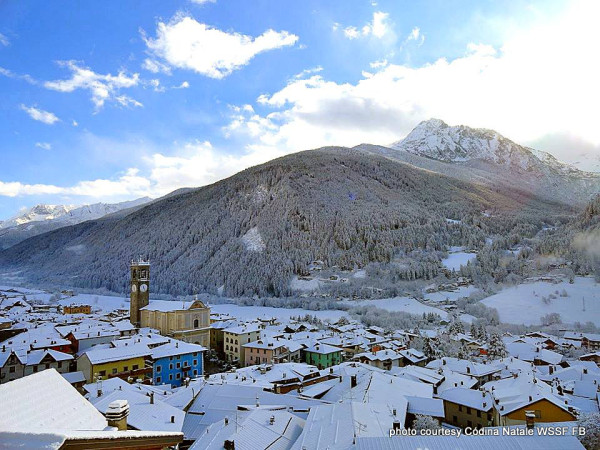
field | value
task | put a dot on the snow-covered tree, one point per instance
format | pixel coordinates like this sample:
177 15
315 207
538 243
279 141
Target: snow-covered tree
496 347
422 422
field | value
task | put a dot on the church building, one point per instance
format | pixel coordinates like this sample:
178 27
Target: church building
187 321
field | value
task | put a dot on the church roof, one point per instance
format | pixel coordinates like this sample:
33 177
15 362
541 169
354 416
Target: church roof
172 305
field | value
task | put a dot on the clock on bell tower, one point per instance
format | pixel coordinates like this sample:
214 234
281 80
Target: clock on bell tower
140 293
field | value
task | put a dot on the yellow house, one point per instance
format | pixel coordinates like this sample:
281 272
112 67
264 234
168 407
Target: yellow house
545 410
122 362
235 337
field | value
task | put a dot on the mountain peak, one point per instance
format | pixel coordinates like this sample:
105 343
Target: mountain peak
435 139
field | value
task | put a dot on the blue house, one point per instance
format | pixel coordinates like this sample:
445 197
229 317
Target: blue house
173 362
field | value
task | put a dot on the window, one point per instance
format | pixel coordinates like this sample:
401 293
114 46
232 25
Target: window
196 323
226 339
158 368
478 413
179 365
236 341
489 417
195 354
170 358
460 408
178 376
195 362
158 379
35 369
468 410
454 419
114 370
102 373
538 414
135 367
195 372
60 364
125 368
236 350
47 365
469 424
170 377
264 351
170 366
12 369
248 339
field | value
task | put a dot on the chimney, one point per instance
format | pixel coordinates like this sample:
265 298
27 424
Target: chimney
530 419
353 381
117 413
551 369
172 419
226 421
272 420
468 369
152 398
229 445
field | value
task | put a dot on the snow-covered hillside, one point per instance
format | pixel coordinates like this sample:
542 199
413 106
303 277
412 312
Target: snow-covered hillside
528 302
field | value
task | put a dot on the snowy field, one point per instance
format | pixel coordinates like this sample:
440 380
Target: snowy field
253 312
455 260
105 303
463 291
406 304
524 304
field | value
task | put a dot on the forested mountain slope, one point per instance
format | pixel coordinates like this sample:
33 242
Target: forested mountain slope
253 231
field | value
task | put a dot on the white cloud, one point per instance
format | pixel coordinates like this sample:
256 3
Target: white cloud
187 44
542 80
10 74
192 164
379 64
351 32
416 35
40 115
103 88
379 27
156 66
74 123
44 145
4 40
183 85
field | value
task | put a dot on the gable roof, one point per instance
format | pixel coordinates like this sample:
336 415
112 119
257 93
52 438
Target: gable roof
46 401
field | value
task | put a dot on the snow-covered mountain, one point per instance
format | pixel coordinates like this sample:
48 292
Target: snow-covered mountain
36 214
69 214
435 139
42 218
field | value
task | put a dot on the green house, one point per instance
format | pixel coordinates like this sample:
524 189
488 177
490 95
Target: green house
322 355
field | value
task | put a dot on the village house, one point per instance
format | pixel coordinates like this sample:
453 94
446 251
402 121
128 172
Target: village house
122 362
175 361
322 355
77 308
272 351
468 407
234 338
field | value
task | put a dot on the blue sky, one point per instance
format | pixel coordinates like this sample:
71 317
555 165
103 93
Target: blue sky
109 101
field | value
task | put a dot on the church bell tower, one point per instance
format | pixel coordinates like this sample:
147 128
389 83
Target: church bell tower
140 289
